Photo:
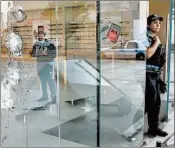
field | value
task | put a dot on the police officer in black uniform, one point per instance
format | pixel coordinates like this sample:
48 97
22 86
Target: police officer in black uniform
154 85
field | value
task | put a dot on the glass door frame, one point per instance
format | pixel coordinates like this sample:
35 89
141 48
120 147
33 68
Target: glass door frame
98 58
170 20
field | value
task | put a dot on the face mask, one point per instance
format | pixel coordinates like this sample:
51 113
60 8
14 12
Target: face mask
41 41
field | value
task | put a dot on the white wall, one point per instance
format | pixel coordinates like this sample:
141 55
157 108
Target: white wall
4 10
33 5
140 26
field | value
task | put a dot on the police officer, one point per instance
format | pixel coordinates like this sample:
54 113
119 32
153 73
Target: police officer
154 85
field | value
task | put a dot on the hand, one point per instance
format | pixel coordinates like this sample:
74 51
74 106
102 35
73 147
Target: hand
157 40
43 53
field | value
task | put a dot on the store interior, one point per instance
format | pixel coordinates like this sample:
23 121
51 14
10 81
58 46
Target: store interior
75 25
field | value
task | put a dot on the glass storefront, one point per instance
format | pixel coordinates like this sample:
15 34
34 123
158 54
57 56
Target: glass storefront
82 82
122 105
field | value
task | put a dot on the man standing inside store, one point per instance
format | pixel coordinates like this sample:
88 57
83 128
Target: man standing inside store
45 52
154 85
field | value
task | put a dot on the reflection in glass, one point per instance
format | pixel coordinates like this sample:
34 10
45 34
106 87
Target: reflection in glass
77 78
61 72
123 66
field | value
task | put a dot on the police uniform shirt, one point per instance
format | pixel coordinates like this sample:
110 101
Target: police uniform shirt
157 60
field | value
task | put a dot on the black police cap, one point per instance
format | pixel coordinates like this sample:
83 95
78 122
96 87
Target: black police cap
154 17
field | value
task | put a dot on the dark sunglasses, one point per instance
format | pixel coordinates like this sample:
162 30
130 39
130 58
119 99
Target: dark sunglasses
40 39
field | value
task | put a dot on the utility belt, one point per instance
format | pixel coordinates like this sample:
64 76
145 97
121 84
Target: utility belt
153 69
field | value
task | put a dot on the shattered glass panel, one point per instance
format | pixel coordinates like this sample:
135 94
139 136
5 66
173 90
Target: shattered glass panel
25 114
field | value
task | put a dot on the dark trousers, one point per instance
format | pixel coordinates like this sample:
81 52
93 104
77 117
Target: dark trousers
152 100
45 75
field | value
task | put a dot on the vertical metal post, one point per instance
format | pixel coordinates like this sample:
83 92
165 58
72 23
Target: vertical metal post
166 54
169 55
65 31
98 58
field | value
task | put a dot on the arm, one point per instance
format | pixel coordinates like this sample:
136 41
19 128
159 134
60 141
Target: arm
151 50
34 51
51 53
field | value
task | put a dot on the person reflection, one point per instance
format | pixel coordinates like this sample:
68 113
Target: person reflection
45 52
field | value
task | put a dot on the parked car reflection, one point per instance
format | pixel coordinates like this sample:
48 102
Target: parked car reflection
133 49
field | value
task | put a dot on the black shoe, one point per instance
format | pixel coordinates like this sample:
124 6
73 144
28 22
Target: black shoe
158 132
151 134
161 133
